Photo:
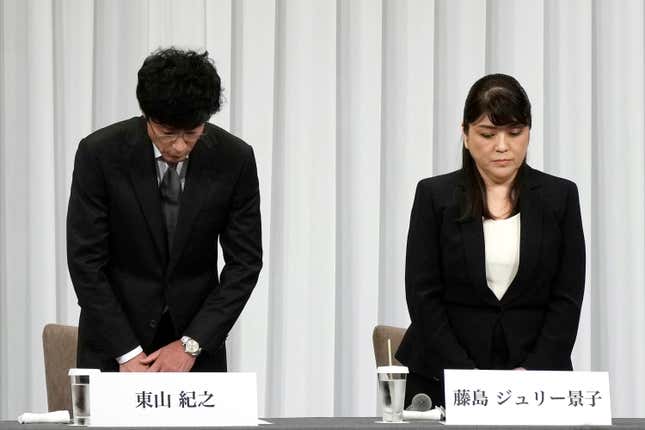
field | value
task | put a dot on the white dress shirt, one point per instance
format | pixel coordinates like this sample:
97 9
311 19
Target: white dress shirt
502 245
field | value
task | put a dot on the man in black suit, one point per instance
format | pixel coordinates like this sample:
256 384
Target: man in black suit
150 198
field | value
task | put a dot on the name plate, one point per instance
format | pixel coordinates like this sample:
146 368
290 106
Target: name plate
173 399
510 397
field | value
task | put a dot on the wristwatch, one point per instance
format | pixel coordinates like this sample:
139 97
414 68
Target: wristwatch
191 346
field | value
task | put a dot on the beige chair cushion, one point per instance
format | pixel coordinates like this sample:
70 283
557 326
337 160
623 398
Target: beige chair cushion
59 346
380 336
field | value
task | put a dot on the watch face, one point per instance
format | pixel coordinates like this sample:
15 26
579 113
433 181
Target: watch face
192 346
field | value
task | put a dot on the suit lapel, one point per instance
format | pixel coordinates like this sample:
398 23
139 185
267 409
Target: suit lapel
143 175
472 233
196 187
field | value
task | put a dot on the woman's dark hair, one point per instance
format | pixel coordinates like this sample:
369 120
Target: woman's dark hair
178 88
504 101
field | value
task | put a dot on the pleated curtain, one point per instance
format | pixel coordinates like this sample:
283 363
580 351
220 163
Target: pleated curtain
347 104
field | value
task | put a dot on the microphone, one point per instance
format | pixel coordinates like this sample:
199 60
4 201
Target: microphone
420 402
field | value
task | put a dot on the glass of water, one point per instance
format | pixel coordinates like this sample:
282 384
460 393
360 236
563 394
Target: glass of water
80 384
391 387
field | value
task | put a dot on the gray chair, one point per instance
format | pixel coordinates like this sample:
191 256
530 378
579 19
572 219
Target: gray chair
379 338
59 347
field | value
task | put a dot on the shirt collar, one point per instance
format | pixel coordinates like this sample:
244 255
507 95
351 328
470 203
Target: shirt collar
157 152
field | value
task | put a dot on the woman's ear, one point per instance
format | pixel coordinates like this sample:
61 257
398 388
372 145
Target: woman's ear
464 137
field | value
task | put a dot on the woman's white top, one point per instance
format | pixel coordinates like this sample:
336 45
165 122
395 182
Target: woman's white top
502 245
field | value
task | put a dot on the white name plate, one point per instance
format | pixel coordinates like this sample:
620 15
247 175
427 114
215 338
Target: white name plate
173 399
514 397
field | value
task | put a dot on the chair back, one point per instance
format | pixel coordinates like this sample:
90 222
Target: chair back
379 338
59 347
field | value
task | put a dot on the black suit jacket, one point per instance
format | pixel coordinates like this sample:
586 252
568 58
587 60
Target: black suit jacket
454 314
120 266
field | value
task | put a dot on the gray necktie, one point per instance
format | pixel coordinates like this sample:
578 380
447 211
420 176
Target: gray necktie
170 189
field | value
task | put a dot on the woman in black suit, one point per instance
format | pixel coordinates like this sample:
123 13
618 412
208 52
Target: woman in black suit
495 264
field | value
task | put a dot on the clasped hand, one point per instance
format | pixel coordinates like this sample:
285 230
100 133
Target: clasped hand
170 358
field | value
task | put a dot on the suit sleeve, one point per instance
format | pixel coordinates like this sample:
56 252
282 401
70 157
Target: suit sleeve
558 334
88 255
424 287
241 243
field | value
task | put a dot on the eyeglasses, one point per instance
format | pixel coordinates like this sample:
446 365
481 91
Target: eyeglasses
170 138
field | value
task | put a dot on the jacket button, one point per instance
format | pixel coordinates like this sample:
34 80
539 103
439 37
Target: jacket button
152 323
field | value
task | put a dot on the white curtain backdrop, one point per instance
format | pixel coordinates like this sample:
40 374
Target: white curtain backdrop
347 103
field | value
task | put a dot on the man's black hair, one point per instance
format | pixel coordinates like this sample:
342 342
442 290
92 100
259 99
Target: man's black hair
178 88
